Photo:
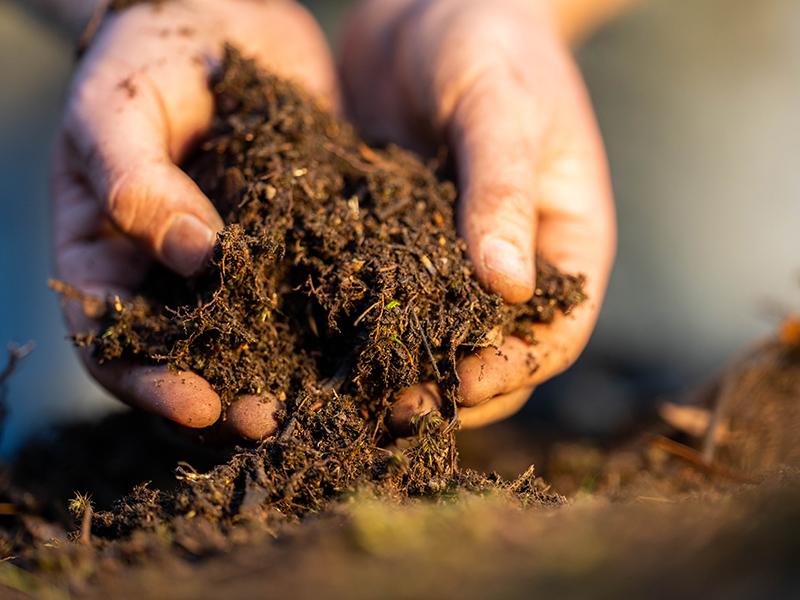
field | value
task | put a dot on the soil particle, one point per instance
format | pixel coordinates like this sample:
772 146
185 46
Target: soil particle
129 87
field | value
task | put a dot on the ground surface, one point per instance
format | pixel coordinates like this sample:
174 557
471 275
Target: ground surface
645 515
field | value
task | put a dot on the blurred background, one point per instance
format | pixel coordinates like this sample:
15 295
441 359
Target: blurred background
699 103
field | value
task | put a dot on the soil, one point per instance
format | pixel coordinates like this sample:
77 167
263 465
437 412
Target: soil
339 280
339 269
644 513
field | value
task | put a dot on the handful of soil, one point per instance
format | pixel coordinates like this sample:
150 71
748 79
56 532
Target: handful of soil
338 280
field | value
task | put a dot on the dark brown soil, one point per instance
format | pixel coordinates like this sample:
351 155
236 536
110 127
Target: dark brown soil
340 268
643 515
338 281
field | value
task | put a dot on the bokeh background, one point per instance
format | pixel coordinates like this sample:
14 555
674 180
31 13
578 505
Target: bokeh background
699 103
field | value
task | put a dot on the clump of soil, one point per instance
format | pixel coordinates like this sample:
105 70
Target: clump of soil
338 280
643 511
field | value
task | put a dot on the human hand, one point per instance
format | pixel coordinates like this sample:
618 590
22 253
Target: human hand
139 101
494 81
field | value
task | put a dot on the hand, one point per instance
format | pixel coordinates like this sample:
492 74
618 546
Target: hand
139 100
495 81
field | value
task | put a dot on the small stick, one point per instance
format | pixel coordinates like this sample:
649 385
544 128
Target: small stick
286 434
393 209
427 346
15 355
718 413
81 505
366 312
89 32
693 457
86 525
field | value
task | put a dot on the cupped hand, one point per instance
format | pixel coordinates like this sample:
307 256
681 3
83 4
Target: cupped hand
495 82
139 101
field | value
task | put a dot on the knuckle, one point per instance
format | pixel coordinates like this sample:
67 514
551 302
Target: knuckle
465 81
501 207
508 198
120 202
129 202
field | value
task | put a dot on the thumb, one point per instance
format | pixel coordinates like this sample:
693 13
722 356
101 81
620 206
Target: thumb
496 147
120 137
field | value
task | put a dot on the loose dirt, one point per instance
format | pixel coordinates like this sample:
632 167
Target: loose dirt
645 513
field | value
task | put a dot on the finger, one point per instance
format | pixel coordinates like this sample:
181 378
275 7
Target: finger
493 371
99 263
484 375
87 249
469 74
252 417
180 396
576 231
130 122
421 399
496 140
586 248
411 403
496 409
119 129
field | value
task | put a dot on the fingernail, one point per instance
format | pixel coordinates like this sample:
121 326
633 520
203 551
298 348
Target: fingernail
187 244
505 264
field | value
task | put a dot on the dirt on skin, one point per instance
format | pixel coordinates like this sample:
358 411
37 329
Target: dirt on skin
338 280
120 5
